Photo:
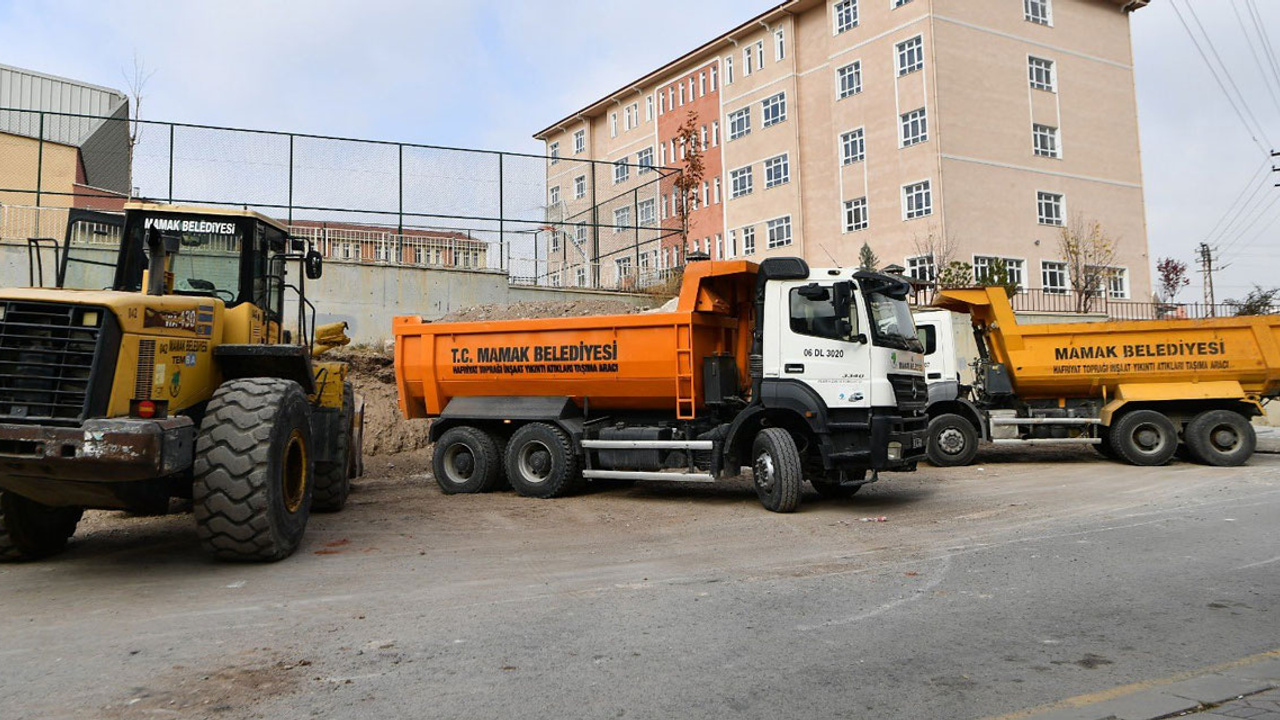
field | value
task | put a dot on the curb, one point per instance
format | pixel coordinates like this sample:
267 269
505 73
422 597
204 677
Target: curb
1179 695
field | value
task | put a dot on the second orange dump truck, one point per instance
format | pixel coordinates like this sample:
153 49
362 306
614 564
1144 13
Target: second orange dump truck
1136 391
800 374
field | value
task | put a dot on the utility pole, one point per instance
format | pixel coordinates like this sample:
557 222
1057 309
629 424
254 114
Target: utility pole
1206 269
1274 169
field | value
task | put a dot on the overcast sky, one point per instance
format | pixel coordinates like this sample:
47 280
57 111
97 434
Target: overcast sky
489 73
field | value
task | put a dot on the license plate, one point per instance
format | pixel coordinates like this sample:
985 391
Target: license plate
917 442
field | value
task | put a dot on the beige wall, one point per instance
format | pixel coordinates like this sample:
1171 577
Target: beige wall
20 157
979 156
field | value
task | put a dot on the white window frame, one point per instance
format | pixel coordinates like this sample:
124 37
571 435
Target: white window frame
895 4
553 195
778 103
644 159
613 124
852 70
623 267
1039 12
1051 208
922 268
1042 73
580 276
1053 135
748 61
844 16
924 191
748 241
910 55
1118 291
579 142
856 216
579 187
853 146
774 229
779 44
553 152
621 171
647 211
777 171
622 219
740 117
728 70
648 109
1057 269
741 182
913 127
1016 268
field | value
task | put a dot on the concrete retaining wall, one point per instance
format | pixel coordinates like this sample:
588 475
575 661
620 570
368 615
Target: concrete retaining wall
366 297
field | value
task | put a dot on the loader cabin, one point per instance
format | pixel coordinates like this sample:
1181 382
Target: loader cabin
236 256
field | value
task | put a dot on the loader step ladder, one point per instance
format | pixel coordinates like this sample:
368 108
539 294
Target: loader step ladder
685 403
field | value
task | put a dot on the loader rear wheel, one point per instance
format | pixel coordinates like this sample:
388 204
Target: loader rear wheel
333 479
777 470
541 462
1221 438
466 461
953 441
254 473
1144 438
30 530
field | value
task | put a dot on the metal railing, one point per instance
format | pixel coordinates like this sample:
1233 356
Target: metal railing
1068 302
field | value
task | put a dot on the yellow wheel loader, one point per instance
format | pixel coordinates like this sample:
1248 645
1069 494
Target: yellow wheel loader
178 380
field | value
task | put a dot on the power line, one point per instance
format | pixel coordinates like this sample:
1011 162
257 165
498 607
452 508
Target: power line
1247 228
1267 77
1253 135
1258 174
1243 216
1264 35
1226 72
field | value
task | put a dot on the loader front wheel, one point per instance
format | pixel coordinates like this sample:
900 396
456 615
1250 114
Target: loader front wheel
541 462
30 530
254 472
777 470
333 479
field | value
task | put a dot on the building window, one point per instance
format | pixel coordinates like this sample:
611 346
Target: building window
580 234
775 109
555 242
554 195
1045 140
715 133
579 187
648 109
647 210
855 215
921 268
853 147
1038 11
900 3
760 55
702 138
702 84
621 171
748 62
779 45
1042 75
706 193
623 267
717 181
713 79
613 125
915 127
580 142
1053 275
728 70
984 269
778 232
846 15
580 274
741 182
644 159
910 56
1049 208
777 171
917 200
740 123
748 241
622 219
849 80
555 153
1118 283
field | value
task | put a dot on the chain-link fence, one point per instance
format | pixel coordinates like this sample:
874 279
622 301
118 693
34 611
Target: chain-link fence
541 221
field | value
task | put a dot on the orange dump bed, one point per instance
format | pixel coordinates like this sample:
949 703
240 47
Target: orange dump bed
647 361
1088 359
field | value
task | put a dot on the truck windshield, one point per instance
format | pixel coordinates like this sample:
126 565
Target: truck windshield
892 324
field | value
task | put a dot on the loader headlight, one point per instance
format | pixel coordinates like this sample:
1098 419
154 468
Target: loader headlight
88 319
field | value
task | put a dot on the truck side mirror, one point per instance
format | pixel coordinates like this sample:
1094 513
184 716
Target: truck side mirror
313 265
842 302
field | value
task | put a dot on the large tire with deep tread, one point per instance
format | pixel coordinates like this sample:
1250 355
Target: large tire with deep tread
953 441
1145 438
254 470
333 479
30 530
777 470
466 460
541 462
1221 438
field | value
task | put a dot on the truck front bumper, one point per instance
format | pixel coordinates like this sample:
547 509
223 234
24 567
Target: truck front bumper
895 443
98 451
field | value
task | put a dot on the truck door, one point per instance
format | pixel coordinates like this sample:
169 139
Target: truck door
821 341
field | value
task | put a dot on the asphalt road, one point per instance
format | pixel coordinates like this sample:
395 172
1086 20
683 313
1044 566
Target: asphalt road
988 590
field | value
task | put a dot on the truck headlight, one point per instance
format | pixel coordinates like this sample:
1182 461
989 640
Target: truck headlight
2 309
895 451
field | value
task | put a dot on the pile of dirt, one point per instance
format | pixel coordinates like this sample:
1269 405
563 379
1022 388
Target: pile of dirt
527 310
386 431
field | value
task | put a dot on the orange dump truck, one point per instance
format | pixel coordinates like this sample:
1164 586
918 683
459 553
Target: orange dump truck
800 374
1134 390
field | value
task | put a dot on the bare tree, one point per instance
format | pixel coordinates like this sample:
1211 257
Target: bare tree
692 169
1089 254
137 83
939 248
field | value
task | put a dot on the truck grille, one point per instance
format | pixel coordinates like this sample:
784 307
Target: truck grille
46 360
911 391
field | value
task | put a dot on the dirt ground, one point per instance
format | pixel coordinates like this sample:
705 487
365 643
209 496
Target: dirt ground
524 310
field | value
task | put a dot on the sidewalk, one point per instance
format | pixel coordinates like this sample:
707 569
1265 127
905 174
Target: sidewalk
1247 689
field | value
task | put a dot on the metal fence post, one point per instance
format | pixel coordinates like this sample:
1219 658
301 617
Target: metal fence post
593 268
291 136
171 130
400 180
40 162
635 217
502 217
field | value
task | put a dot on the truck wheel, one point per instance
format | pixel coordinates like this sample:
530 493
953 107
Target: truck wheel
1221 438
541 462
1145 438
254 473
777 470
466 461
30 530
953 441
1104 448
333 479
